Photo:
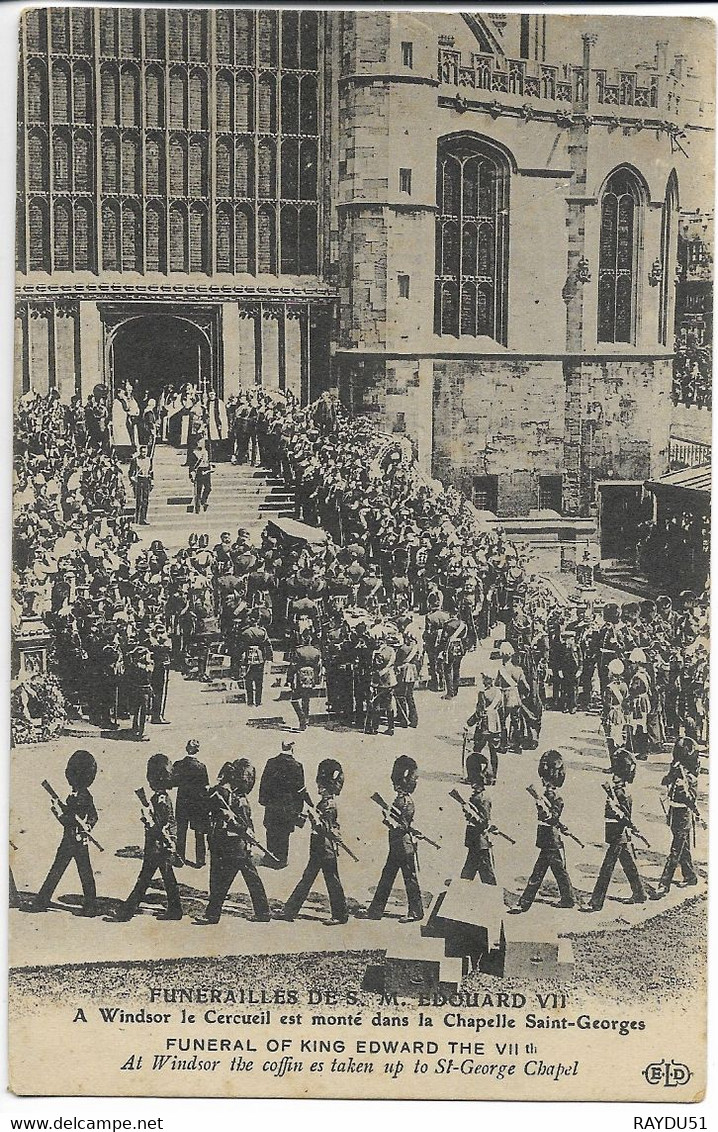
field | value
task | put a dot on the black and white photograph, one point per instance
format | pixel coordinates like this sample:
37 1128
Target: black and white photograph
361 478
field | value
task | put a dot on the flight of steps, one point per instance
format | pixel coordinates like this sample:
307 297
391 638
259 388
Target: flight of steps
242 496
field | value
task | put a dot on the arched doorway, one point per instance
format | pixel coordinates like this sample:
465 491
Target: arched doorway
155 350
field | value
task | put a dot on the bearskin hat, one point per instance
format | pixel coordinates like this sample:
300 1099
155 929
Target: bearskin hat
243 776
479 771
159 772
551 769
405 774
225 772
623 764
81 769
330 775
686 754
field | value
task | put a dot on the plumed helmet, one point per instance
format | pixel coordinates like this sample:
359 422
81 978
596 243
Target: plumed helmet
615 667
637 656
330 775
81 769
506 649
685 752
611 613
159 772
243 776
405 774
551 769
623 765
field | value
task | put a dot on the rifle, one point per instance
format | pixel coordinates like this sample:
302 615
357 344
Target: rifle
559 825
321 827
391 821
242 827
149 821
688 791
472 815
83 831
621 814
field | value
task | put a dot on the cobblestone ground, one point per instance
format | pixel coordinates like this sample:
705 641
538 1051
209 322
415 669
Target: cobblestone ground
230 730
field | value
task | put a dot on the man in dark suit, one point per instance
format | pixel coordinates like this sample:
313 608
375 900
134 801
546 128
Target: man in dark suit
280 792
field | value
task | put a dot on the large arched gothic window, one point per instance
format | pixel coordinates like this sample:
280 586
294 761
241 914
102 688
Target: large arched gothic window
668 251
472 236
621 203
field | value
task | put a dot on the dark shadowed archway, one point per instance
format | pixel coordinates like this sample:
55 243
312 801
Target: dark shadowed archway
156 350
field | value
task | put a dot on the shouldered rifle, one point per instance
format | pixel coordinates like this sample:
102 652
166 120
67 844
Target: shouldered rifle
472 815
391 819
545 810
82 828
322 827
149 821
243 827
622 815
688 791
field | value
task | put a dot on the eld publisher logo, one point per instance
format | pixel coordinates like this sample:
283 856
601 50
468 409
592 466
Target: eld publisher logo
667 1073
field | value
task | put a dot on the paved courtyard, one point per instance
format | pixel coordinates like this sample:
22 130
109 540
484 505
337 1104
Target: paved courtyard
230 730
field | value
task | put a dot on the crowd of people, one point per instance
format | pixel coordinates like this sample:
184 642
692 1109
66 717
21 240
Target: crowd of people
677 540
692 375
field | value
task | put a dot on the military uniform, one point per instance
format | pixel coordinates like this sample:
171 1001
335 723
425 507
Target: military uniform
323 858
305 666
682 792
161 657
479 858
617 814
552 855
159 856
402 857
254 649
383 682
230 818
73 847
141 667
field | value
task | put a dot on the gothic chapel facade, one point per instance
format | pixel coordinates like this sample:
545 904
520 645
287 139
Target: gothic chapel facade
468 231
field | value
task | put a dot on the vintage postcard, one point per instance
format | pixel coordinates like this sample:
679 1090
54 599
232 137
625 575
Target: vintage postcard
361 471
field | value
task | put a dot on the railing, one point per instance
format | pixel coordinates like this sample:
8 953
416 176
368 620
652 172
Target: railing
563 82
687 454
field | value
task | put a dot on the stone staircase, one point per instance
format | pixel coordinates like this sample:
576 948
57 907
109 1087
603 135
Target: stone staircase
242 496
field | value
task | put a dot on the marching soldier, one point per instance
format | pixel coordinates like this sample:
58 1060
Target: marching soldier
160 844
479 858
77 817
619 824
323 847
682 783
231 841
549 839
280 792
402 845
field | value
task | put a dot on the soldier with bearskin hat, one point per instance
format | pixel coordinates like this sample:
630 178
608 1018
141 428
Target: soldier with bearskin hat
549 831
479 856
618 828
402 845
160 851
682 811
323 847
231 839
77 816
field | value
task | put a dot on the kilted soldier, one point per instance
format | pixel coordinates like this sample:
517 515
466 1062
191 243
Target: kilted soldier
141 480
191 779
402 845
682 811
452 647
161 648
303 675
141 666
231 839
160 844
77 817
615 697
383 683
323 848
549 839
407 665
479 858
487 721
280 792
618 825
255 650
